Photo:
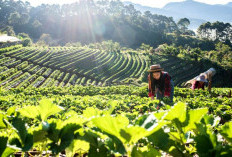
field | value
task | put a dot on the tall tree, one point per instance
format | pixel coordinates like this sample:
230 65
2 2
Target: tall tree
183 24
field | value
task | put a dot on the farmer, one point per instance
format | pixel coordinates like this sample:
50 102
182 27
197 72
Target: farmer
160 83
200 82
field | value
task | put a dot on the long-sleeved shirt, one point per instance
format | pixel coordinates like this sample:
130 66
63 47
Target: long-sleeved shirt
197 85
167 85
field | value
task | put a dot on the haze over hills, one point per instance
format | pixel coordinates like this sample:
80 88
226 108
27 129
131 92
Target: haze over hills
229 4
197 12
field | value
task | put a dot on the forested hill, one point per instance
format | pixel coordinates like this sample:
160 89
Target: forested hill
86 22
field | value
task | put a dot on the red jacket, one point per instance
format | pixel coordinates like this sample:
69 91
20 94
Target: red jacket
167 85
197 85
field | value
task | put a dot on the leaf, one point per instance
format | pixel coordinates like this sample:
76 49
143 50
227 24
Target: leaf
115 145
53 128
133 133
145 152
68 114
19 125
39 136
174 151
28 143
112 104
91 112
208 119
67 135
112 125
11 110
178 111
8 151
47 108
118 126
2 124
60 135
226 151
159 139
15 142
159 115
99 151
204 145
97 147
77 146
140 120
150 122
3 142
226 131
26 139
194 116
29 112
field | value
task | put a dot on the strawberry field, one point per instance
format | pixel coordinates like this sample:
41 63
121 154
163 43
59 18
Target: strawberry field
46 111
69 66
74 79
114 121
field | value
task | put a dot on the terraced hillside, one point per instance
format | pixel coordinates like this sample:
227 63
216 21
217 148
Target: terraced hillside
65 66
181 70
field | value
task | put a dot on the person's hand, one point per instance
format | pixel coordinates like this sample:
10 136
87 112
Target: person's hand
152 97
157 90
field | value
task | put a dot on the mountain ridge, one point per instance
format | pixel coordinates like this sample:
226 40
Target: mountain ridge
196 12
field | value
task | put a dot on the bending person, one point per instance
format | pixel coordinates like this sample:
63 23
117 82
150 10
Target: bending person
160 83
200 82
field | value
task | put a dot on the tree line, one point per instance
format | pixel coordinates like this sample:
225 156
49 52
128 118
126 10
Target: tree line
88 21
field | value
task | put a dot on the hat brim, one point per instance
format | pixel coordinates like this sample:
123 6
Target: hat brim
201 80
156 70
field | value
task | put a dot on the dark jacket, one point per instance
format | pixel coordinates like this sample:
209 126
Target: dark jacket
165 82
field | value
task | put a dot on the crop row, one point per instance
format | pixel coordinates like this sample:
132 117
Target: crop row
72 66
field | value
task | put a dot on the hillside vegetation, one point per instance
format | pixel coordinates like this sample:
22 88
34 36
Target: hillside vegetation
114 121
65 66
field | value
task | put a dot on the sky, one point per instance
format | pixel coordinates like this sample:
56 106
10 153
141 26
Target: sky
151 3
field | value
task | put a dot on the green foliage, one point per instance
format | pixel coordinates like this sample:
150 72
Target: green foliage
4 150
108 46
177 112
45 39
27 42
78 44
183 24
178 131
7 49
9 30
2 124
107 20
145 48
104 127
226 131
41 112
16 18
220 26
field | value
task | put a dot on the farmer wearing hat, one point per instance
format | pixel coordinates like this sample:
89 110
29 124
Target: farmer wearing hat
160 83
200 82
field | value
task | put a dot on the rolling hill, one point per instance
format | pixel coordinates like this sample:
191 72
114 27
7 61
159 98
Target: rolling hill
65 66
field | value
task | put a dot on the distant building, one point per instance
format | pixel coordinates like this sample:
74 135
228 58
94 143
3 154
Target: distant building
6 40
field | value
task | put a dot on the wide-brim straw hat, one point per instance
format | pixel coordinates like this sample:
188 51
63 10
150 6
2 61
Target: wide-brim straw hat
201 78
155 68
